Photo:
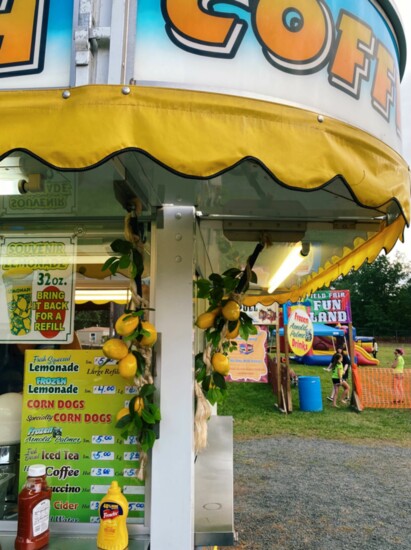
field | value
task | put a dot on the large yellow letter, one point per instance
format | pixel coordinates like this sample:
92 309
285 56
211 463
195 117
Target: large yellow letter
193 25
22 36
383 90
296 36
355 47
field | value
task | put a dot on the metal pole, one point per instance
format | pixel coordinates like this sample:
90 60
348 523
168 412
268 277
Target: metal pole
172 467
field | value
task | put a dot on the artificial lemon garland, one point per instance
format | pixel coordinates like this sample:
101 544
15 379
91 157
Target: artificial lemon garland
133 351
222 323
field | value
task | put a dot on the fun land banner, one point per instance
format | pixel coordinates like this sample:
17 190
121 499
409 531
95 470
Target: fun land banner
330 307
37 281
248 362
70 402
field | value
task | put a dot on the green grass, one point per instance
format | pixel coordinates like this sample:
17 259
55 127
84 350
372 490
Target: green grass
255 414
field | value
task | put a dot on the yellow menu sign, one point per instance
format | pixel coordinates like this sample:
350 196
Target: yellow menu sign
70 402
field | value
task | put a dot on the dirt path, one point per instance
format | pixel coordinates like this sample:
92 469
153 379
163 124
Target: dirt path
295 493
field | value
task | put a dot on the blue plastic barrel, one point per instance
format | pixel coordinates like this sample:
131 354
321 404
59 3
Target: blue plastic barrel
309 392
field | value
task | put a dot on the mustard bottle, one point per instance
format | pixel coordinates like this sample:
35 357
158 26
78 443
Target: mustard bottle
113 512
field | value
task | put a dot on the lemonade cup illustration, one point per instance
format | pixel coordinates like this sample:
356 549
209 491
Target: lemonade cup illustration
18 283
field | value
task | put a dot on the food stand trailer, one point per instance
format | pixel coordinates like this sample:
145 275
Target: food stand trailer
230 124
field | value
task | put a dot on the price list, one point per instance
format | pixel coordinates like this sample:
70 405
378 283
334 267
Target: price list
70 403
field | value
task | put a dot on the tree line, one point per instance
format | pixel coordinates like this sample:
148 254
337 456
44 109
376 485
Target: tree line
380 297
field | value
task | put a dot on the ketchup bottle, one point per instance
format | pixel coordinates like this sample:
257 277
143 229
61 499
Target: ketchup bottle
33 511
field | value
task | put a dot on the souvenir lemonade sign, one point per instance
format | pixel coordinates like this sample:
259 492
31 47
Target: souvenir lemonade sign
37 289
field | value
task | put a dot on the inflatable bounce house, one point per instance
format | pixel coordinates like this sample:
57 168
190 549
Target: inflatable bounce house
326 340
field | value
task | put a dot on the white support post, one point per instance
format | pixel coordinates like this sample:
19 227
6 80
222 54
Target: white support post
118 46
172 467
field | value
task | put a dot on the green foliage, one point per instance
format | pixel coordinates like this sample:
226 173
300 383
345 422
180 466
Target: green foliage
126 257
142 425
92 318
215 289
217 286
380 296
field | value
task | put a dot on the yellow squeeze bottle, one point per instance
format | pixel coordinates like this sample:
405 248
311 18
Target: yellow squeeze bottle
113 512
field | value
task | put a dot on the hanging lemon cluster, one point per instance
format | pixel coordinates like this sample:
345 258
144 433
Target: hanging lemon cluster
133 349
133 353
222 323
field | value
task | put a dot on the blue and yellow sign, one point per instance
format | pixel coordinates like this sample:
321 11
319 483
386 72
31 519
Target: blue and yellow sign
35 43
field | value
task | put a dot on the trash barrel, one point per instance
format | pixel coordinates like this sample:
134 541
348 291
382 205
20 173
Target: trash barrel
309 393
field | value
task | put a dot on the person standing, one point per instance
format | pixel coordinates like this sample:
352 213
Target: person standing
346 362
398 382
337 378
374 348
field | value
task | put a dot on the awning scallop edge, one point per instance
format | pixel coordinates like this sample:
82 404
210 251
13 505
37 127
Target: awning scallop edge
352 259
201 134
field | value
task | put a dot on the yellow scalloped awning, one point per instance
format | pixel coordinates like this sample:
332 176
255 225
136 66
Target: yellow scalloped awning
351 259
202 134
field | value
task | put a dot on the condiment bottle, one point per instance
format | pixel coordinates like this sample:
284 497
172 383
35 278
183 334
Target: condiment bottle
33 511
113 512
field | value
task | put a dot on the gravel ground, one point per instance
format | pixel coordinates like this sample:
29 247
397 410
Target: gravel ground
294 493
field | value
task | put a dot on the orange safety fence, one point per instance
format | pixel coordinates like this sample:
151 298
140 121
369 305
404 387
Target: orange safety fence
381 388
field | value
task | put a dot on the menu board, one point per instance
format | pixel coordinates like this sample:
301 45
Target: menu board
70 402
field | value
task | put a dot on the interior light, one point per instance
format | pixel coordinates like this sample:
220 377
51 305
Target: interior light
291 262
15 181
12 187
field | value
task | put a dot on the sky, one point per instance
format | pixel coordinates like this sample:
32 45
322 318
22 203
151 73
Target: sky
404 8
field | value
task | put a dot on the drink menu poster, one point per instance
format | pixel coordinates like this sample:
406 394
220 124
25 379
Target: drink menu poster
37 289
70 402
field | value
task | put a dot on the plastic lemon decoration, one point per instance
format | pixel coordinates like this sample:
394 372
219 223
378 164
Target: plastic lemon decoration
231 311
127 367
151 339
126 324
122 413
205 320
220 363
234 333
139 405
115 349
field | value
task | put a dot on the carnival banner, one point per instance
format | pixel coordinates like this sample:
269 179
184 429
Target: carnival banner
335 57
330 307
300 330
